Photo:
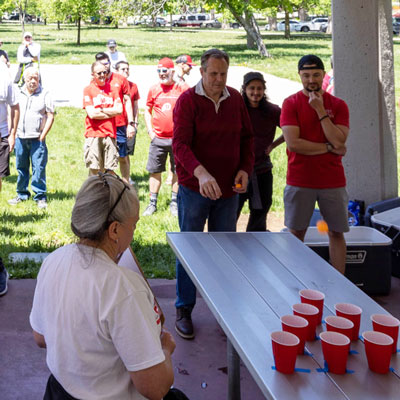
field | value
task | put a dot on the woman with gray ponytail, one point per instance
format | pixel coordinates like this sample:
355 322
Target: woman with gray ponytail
96 319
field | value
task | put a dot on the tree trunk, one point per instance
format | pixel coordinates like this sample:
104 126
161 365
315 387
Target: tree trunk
272 23
250 25
78 42
58 25
302 14
287 25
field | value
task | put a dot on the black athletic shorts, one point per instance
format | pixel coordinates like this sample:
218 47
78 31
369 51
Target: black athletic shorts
4 157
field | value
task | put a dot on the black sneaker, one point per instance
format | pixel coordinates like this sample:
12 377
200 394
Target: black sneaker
183 324
15 201
3 279
151 209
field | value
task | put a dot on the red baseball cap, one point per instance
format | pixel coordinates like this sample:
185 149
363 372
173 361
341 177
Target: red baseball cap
185 59
165 63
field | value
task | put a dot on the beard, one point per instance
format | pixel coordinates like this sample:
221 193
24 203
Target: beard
316 89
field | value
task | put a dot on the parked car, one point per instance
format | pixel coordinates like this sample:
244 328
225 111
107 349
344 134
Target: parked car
234 25
280 26
196 20
158 22
313 25
396 26
213 23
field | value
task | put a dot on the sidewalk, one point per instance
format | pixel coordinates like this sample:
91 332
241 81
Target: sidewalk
66 82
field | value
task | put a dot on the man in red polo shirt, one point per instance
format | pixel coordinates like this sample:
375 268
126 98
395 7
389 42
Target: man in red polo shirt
160 104
213 149
102 105
315 125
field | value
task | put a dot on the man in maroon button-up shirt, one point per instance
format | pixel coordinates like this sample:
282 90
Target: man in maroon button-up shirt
213 151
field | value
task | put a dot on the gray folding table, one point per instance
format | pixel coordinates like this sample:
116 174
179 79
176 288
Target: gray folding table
249 280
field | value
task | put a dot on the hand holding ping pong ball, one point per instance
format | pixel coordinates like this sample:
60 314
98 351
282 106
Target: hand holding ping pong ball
322 227
238 186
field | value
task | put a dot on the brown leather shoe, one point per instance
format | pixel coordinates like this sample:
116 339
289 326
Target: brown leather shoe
183 324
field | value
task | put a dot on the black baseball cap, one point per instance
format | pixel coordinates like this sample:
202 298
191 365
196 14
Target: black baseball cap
251 76
310 62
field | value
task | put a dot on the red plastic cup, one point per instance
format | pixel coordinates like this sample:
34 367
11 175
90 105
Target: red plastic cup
340 325
335 348
387 324
378 348
284 347
351 312
298 326
315 298
310 313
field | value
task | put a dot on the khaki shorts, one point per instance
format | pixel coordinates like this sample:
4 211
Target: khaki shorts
300 204
101 153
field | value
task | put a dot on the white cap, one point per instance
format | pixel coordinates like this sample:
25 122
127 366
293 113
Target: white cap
27 34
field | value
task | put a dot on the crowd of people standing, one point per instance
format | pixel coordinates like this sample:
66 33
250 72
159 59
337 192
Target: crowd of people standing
218 141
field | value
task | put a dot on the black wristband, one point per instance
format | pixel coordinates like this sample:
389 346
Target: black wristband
322 118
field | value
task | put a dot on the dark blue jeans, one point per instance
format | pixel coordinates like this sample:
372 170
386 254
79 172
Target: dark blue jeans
27 152
193 211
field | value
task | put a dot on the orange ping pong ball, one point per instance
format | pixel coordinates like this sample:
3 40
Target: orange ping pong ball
238 186
322 227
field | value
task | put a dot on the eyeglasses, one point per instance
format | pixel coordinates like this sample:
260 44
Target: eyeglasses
101 73
162 70
103 177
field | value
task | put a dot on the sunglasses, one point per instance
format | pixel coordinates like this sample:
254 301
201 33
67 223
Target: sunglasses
103 177
101 73
162 70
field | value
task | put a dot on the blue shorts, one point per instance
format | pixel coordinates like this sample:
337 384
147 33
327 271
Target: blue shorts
126 147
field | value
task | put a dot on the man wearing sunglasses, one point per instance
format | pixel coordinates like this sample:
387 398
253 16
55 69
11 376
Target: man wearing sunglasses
126 128
102 105
160 103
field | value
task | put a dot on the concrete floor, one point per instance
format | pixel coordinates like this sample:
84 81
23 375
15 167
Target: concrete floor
200 365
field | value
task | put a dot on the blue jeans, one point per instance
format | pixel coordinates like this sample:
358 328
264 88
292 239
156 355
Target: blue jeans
29 151
193 211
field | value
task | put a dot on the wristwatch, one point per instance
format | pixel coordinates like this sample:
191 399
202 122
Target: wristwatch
133 123
329 147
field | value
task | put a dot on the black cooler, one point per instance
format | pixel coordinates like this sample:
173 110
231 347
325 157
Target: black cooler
368 257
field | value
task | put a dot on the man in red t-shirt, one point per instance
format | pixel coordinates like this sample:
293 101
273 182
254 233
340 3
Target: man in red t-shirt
125 123
315 125
126 147
160 104
101 105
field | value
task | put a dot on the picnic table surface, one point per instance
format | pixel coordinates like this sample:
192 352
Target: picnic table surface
249 280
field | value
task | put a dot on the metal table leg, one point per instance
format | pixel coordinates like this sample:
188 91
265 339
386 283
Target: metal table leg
233 372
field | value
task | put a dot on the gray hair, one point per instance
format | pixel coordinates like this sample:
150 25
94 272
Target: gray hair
95 64
98 195
33 70
213 53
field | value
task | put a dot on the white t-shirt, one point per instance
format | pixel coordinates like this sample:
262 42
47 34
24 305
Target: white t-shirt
115 57
7 97
98 321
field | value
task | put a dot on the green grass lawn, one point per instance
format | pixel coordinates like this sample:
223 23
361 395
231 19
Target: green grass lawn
25 228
